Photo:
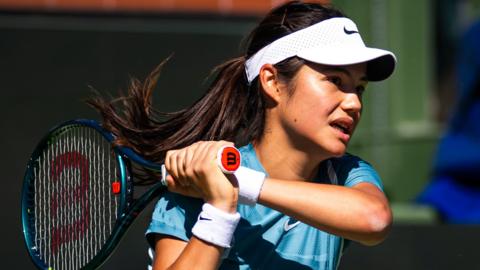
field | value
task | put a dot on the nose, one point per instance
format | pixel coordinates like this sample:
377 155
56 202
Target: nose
352 103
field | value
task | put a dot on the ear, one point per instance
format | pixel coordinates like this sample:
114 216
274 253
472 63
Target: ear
268 79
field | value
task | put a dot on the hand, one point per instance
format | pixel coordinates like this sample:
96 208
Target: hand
193 171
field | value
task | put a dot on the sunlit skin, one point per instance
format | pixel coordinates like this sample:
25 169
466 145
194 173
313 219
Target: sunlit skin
313 117
308 120
325 96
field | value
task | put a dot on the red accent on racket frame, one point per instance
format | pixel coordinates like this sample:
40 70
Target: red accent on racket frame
116 187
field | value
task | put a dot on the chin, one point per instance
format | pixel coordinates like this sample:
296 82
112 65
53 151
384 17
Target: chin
337 150
338 154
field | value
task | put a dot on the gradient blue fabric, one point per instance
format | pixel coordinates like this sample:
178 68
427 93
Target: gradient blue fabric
266 238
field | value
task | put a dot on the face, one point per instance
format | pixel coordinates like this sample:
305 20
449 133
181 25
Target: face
323 108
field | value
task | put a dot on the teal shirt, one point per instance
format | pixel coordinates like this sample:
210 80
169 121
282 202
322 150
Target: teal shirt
266 238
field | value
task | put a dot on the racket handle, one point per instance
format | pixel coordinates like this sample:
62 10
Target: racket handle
228 160
164 172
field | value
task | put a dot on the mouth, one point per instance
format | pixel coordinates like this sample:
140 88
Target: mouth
344 125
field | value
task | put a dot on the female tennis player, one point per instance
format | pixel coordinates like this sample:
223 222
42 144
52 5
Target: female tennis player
292 101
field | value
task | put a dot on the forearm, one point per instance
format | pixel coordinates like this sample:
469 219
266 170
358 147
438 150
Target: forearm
194 171
360 214
196 254
211 234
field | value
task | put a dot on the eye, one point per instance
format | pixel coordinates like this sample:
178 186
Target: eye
360 89
335 80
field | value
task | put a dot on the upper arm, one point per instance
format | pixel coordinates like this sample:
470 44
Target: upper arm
360 175
167 250
378 211
371 189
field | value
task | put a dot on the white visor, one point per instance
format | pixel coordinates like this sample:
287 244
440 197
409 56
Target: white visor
332 42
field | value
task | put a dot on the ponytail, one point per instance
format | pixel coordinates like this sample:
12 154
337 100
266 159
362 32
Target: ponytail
229 110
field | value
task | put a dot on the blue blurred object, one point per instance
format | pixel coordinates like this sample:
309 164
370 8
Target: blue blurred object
455 188
456 202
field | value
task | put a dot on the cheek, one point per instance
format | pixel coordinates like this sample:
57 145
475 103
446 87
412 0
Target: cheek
307 111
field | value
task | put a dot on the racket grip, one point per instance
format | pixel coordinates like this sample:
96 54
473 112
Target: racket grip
228 160
164 172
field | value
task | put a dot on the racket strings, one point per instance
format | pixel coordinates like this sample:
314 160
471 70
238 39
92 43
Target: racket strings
75 209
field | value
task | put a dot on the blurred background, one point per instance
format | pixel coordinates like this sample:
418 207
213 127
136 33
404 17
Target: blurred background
52 51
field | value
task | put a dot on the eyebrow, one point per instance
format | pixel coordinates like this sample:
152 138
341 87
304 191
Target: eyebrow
342 70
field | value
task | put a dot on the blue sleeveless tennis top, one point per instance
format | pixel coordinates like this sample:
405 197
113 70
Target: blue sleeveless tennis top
266 238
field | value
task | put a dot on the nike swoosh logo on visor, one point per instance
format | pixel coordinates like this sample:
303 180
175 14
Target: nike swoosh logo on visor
349 32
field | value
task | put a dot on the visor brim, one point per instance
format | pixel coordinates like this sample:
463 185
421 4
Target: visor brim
380 63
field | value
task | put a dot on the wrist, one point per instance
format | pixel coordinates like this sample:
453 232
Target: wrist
216 226
250 183
228 205
222 195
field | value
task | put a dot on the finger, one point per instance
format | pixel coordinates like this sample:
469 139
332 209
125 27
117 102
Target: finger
180 162
211 154
171 183
189 155
168 165
215 148
176 187
172 163
208 156
226 143
198 155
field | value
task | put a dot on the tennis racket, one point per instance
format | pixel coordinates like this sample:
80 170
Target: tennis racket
78 195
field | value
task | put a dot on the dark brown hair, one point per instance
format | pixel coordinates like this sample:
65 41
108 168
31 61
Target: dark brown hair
230 109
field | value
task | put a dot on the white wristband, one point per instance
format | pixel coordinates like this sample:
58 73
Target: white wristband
215 226
250 184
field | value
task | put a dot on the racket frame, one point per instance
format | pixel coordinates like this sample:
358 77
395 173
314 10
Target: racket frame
128 209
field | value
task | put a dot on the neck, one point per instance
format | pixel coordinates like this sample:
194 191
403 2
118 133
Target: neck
285 160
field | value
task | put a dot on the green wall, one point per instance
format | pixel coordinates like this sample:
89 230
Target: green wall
397 134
